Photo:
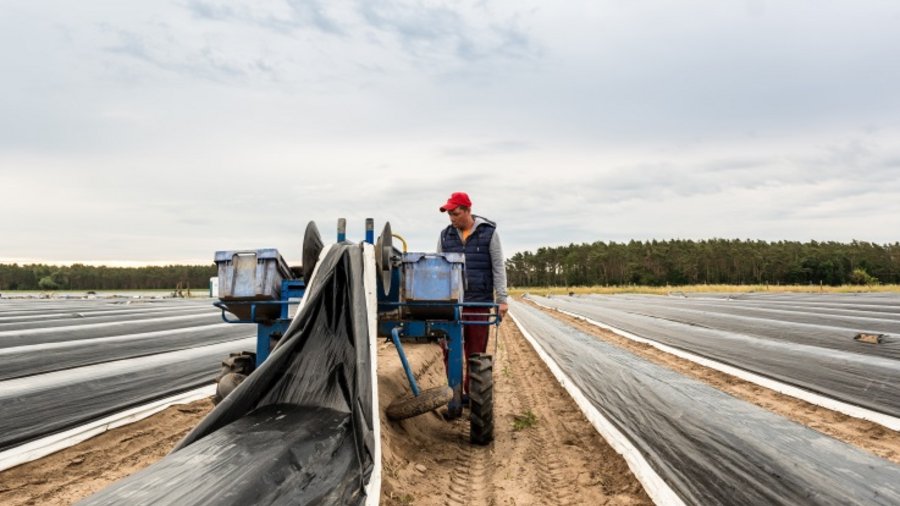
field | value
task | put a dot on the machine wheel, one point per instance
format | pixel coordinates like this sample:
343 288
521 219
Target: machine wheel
234 370
481 399
226 385
427 400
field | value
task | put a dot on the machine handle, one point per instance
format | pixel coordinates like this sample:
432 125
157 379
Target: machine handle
224 307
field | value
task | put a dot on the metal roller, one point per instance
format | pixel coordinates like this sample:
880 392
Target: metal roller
384 248
312 248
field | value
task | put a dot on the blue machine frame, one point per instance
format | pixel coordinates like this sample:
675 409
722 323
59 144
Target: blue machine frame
451 330
391 320
268 332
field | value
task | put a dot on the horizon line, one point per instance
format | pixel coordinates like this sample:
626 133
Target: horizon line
104 263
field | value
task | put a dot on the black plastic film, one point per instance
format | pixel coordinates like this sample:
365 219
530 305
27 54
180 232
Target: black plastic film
35 406
709 447
827 326
299 430
36 359
813 356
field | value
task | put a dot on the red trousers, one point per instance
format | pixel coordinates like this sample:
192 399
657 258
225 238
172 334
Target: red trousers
475 338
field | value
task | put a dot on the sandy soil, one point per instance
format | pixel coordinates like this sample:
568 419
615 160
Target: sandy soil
869 436
77 472
560 459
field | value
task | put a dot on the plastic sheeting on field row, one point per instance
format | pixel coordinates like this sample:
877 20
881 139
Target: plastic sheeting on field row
887 304
817 326
712 448
299 430
10 313
34 359
812 358
860 299
35 406
84 330
84 317
40 307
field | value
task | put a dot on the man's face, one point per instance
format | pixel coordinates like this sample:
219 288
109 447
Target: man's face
459 217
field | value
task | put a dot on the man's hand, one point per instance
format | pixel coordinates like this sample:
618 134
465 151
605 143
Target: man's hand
503 308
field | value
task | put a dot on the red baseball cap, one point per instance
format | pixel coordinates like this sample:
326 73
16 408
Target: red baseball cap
456 199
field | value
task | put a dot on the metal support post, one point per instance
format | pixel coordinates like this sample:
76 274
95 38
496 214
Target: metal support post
395 336
342 230
455 364
370 230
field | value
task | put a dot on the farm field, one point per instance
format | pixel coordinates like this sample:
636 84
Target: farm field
197 294
718 290
73 362
803 340
81 360
705 445
559 459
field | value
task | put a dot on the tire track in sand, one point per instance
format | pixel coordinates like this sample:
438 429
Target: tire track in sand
553 484
558 460
470 481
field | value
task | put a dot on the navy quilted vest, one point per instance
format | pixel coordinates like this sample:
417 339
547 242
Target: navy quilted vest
479 275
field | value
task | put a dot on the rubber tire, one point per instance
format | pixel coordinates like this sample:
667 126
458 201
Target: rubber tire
427 400
243 362
481 399
227 384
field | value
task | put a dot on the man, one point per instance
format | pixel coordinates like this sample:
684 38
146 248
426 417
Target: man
477 238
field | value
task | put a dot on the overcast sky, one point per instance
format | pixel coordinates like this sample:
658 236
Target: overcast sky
153 132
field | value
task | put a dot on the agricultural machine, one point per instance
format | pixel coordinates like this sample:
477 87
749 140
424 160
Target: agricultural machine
419 298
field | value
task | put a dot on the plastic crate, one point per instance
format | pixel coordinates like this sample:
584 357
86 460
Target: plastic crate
251 275
433 278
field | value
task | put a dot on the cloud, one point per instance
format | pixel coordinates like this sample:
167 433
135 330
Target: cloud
197 125
286 16
471 33
488 149
204 61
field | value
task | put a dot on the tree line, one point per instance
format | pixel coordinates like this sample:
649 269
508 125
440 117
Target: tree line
714 261
649 263
89 277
